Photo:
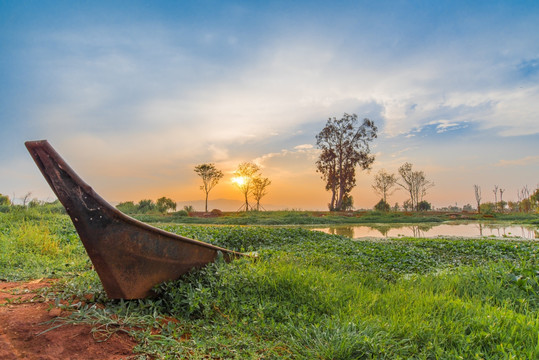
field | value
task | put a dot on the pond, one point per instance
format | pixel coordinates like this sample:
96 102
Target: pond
429 230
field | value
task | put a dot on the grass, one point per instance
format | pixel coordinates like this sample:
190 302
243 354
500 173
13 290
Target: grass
34 246
308 295
326 217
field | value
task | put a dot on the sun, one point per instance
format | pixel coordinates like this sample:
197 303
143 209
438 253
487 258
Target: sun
239 180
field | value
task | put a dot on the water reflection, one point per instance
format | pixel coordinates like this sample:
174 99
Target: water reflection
434 230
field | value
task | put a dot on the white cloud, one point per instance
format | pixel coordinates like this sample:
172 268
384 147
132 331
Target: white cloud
303 147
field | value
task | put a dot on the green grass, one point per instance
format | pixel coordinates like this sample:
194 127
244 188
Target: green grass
310 295
34 245
321 218
296 218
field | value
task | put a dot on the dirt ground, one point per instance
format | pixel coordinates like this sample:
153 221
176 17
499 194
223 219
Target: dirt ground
22 329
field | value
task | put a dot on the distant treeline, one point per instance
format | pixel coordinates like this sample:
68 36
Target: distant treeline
163 205
54 207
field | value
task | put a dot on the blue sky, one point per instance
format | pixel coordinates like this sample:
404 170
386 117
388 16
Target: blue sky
134 94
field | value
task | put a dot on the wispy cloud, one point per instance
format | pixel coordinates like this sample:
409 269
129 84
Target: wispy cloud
525 161
183 85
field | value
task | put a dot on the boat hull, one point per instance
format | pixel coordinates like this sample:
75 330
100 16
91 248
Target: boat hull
129 256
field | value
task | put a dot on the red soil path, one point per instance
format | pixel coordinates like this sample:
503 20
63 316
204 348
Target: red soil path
21 322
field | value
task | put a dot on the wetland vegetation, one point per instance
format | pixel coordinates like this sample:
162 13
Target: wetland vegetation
305 295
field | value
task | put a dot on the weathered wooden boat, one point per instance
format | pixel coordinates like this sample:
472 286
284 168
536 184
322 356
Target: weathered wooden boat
129 256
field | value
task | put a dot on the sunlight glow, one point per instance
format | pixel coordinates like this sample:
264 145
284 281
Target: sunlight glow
239 180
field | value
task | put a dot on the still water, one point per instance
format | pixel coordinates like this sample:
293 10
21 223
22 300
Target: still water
433 230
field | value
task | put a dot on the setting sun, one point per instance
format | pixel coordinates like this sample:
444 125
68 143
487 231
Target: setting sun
239 180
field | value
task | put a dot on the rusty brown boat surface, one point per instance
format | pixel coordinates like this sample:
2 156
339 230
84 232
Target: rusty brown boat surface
130 257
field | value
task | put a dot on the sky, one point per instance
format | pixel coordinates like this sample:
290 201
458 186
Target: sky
135 94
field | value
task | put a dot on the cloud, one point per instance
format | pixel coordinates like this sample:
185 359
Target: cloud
303 147
153 84
288 161
525 161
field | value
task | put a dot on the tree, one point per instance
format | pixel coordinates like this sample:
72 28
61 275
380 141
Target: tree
383 184
495 191
259 189
344 144
26 198
145 206
4 200
487 208
502 203
407 204
164 204
415 182
513 206
424 206
534 198
382 206
348 203
243 178
477 190
127 207
210 177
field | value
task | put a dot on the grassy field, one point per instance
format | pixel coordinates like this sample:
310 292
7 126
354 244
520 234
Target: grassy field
307 295
326 217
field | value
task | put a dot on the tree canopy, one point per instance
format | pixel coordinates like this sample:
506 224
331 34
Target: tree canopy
384 183
259 189
210 177
244 177
415 182
164 204
344 145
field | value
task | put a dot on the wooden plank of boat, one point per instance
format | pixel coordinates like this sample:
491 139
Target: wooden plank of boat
129 256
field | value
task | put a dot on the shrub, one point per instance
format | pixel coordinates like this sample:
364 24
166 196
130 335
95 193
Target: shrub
382 206
180 213
424 206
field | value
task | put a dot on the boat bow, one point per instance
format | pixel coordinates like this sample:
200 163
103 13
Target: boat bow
129 256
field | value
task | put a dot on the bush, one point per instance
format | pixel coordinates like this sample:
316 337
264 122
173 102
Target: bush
382 206
180 213
424 206
4 200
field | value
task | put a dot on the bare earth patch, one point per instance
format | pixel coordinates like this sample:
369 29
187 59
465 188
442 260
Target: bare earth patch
22 333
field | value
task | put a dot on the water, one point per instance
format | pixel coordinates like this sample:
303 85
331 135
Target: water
431 230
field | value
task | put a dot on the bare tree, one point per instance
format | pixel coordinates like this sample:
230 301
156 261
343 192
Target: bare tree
495 191
415 182
384 183
259 189
26 198
344 144
210 177
501 199
524 199
243 178
523 193
477 190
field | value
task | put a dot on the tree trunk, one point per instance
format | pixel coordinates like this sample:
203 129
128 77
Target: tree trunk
332 204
